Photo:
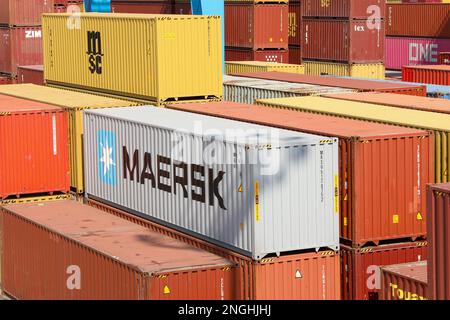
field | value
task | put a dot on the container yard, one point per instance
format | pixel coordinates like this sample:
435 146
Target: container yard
198 151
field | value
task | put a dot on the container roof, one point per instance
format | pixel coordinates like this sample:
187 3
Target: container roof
133 16
132 244
196 124
443 187
328 81
396 100
413 270
300 121
39 67
12 104
366 111
60 97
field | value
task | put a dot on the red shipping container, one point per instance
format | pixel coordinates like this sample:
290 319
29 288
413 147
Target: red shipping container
297 274
439 249
295 23
237 54
352 9
438 74
356 84
148 7
34 148
256 26
31 74
406 281
372 194
418 20
295 55
361 276
79 253
182 8
24 12
19 47
444 58
5 80
353 41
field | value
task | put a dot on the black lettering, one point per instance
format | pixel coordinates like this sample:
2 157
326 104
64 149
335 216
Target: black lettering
92 64
94 43
181 180
214 188
163 173
148 166
98 64
126 164
199 183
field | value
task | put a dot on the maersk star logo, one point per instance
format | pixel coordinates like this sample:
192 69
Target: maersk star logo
107 170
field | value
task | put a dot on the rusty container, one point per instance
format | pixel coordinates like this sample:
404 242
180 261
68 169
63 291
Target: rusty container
240 54
438 74
361 276
439 249
77 252
383 169
298 275
34 149
24 12
344 9
405 281
31 74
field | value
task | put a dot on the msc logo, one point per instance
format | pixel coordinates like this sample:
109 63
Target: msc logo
94 51
107 156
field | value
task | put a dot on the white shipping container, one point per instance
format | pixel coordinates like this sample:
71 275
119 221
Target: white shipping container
254 189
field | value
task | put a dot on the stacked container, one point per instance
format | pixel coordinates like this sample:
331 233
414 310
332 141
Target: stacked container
339 36
295 31
142 6
256 30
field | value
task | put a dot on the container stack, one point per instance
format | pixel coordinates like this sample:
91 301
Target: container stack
295 32
257 30
343 37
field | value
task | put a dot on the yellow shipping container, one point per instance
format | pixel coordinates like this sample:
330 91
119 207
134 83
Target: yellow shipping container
437 122
158 58
359 70
235 67
74 103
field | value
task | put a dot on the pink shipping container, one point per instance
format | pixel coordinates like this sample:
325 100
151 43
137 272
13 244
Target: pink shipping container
18 47
237 54
406 281
256 26
439 236
352 9
352 41
439 74
24 12
402 51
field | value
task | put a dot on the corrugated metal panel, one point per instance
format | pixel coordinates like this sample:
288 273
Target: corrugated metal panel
376 162
437 122
24 12
147 7
31 74
295 24
38 135
438 254
234 67
352 9
93 250
238 196
439 74
150 43
239 54
74 103
363 70
406 281
361 278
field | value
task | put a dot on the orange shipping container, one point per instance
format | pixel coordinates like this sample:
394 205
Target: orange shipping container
302 276
405 281
34 148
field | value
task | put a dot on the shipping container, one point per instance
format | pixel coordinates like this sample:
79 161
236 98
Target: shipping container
437 122
74 103
384 169
147 7
444 58
405 281
350 41
223 189
239 54
362 70
302 276
18 47
24 12
34 149
406 51
355 84
31 74
98 64
429 20
295 55
256 26
360 268
248 90
295 23
438 253
439 74
233 67
350 9
182 7
5 80
100 249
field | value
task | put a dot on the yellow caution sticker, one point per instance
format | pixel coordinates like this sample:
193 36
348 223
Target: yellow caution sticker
270 40
336 193
419 216
170 36
240 188
345 221
257 214
395 218
166 290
